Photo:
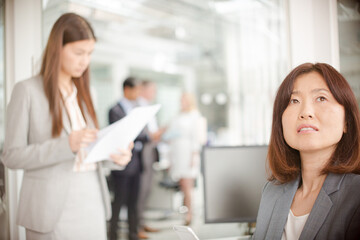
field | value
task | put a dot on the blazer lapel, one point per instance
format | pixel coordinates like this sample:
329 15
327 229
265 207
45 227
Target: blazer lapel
281 211
317 216
122 109
321 207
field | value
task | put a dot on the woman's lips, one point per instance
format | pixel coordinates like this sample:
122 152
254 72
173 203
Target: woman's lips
307 128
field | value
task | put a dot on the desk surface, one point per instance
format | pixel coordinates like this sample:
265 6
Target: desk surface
232 238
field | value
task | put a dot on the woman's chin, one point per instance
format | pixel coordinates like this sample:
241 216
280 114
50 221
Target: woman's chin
77 75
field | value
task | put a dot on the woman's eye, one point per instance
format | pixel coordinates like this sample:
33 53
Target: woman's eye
292 101
78 53
321 99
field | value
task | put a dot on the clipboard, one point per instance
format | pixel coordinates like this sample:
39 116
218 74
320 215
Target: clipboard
120 134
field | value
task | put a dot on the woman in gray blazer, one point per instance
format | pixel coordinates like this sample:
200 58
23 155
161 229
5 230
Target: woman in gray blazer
314 151
50 119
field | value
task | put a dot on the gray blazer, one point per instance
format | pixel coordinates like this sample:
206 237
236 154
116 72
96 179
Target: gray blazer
335 214
47 162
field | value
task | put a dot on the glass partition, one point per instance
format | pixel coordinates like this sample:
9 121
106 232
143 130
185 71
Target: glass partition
231 54
349 42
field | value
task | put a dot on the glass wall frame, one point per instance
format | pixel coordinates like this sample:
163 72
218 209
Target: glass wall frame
4 224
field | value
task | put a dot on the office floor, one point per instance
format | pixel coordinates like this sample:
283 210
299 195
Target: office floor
164 213
164 221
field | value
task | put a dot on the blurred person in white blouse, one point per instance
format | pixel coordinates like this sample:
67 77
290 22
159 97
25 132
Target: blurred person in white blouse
186 134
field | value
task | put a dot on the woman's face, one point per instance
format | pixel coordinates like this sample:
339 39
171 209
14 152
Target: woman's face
313 120
185 103
75 57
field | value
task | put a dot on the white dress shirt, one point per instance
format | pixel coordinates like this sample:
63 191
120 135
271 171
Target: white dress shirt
77 123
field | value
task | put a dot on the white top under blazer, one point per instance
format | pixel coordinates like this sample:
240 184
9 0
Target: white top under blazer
294 226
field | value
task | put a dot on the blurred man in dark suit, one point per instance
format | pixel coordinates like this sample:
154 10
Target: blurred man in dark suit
126 183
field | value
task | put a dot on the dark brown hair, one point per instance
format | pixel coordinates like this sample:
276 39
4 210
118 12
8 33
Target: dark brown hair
284 161
130 82
70 27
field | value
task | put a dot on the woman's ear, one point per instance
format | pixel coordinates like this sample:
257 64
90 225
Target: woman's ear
345 128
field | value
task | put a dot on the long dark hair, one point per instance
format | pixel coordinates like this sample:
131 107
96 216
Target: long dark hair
284 161
70 27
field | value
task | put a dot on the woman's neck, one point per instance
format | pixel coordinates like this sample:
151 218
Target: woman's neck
312 165
65 82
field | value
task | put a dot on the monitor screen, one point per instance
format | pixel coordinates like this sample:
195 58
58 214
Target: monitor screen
233 181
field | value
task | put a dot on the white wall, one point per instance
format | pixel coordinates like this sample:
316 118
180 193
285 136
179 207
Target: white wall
23 51
313 32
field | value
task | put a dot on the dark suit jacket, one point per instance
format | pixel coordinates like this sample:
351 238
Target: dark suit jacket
335 214
135 165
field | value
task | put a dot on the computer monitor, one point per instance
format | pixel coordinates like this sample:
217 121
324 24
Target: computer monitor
233 181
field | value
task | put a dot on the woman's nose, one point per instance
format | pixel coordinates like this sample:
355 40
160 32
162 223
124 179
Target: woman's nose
85 60
306 111
306 116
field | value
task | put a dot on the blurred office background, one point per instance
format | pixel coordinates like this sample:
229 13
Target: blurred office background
227 52
232 54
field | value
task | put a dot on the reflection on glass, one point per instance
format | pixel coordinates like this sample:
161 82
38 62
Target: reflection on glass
349 42
206 98
237 49
220 98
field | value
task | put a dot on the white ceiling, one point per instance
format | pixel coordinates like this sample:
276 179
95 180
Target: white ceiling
187 32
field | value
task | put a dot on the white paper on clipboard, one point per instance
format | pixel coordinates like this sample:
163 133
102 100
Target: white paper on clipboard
120 134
